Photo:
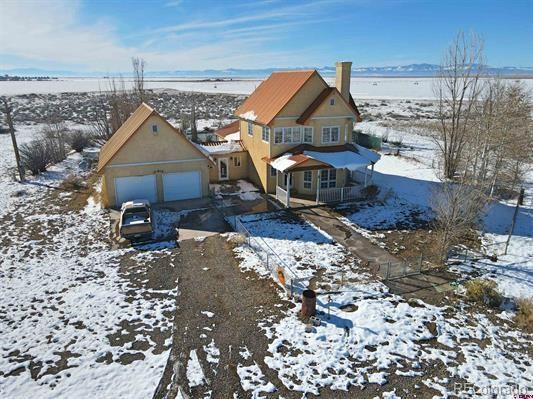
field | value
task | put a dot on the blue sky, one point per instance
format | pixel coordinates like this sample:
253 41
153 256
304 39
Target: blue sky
102 35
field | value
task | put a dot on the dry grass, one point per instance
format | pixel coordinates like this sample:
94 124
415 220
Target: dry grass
524 315
483 291
74 183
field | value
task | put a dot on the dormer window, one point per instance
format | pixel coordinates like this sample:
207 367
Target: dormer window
155 129
332 101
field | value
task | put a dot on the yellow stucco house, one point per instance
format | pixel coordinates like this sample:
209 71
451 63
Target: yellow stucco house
293 137
148 158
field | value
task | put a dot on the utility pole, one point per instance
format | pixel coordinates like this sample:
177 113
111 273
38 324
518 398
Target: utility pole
519 202
194 131
9 120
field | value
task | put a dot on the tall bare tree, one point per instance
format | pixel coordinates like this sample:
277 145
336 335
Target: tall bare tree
8 112
457 89
138 65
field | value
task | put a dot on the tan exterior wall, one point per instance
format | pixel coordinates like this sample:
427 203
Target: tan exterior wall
146 153
307 94
257 149
298 181
235 172
338 114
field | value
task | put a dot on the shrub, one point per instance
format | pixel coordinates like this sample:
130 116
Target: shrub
483 291
53 135
524 314
73 182
35 156
78 140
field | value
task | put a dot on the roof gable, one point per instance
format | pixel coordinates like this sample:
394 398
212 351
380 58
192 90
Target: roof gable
272 95
128 129
326 94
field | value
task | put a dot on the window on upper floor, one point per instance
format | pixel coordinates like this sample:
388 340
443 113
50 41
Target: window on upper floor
250 129
265 136
330 134
308 135
332 101
278 135
237 161
155 129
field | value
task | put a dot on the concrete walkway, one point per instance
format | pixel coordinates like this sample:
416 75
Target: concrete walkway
423 286
354 242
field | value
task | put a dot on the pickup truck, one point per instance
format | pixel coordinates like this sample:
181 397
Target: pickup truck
136 220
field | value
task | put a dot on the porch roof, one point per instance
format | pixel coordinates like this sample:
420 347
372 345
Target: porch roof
308 157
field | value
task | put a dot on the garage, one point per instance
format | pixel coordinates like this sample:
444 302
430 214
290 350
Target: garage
182 185
136 187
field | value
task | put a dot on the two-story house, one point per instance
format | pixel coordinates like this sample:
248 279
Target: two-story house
298 133
293 137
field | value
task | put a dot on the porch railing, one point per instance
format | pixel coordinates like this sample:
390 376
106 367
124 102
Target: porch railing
281 195
338 194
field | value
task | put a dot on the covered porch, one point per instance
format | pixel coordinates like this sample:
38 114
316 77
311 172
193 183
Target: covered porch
314 175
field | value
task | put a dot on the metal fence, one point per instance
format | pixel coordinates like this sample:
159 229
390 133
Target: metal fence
279 270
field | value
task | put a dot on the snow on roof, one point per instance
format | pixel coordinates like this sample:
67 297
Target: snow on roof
221 148
372 156
340 159
233 136
249 115
283 162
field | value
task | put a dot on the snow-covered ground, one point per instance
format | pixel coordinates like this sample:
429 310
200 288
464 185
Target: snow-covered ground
407 183
73 323
368 336
361 87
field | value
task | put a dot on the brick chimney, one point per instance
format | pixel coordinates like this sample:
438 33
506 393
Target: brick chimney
342 78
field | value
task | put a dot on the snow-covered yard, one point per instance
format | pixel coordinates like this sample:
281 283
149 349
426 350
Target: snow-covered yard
369 336
77 318
407 183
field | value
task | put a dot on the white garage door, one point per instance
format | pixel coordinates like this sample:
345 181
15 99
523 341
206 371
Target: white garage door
182 185
135 187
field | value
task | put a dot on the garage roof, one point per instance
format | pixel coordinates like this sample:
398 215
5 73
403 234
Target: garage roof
128 129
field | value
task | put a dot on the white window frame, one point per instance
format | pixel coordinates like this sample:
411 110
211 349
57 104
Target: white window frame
237 161
308 179
329 130
308 128
265 134
328 178
278 132
250 129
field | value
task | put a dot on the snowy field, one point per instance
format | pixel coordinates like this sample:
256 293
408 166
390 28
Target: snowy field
368 336
361 87
77 318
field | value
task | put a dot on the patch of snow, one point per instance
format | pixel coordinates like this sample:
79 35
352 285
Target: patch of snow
283 162
195 373
207 313
249 115
253 379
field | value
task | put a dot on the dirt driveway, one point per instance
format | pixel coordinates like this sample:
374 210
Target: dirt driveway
218 303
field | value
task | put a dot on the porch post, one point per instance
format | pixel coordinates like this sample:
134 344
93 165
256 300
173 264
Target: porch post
372 172
288 189
277 183
317 186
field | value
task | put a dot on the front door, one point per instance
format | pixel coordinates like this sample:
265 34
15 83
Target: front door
223 169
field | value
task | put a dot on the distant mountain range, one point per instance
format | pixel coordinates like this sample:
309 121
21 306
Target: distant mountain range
411 70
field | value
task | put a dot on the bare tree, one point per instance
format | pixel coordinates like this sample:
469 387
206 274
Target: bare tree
457 209
138 65
457 89
8 110
194 129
